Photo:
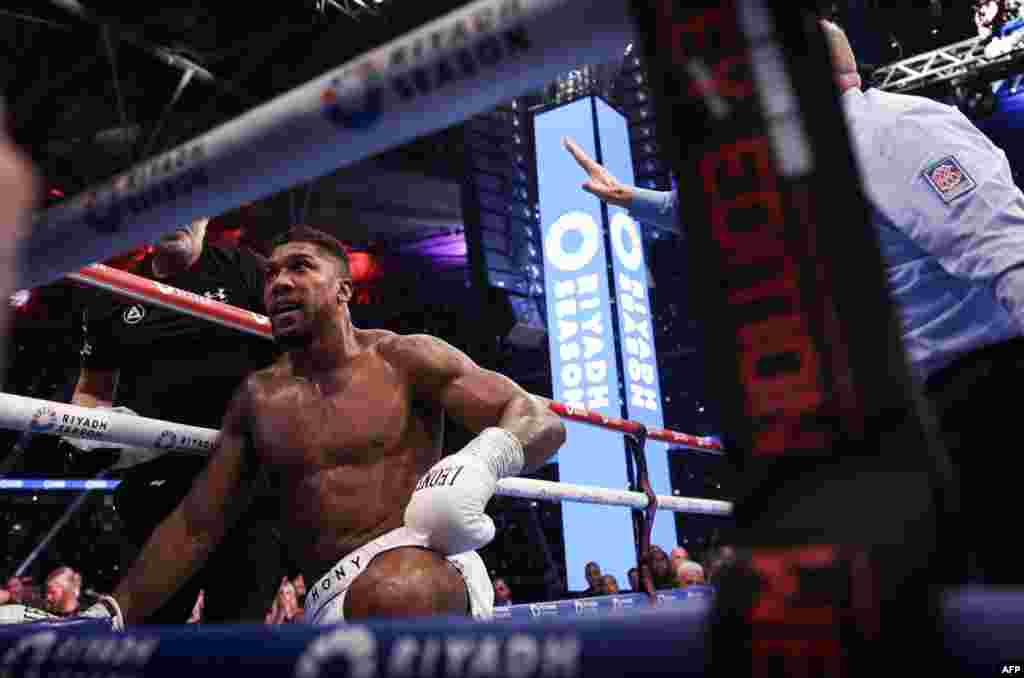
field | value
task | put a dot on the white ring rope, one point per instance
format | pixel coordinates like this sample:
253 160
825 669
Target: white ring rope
138 288
546 490
32 415
19 413
454 67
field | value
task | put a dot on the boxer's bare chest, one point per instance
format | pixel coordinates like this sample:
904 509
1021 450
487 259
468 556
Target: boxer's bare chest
343 452
351 416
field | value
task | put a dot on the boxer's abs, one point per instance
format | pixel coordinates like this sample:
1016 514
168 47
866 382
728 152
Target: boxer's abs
343 464
328 514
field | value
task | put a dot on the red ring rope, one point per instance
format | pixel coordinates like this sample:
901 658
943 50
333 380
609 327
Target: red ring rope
139 288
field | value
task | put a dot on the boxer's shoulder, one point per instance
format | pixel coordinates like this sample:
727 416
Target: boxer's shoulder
261 380
262 385
376 341
397 349
419 352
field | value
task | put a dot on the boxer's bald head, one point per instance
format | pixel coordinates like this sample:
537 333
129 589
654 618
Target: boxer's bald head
844 62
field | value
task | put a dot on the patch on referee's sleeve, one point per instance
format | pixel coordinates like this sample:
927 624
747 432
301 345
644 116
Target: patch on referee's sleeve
949 179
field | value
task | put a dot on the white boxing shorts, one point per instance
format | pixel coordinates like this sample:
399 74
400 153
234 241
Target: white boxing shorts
325 601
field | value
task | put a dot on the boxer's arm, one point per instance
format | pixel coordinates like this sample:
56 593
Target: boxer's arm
98 373
183 541
480 398
95 387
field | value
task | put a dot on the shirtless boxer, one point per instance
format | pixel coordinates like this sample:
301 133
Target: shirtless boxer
346 426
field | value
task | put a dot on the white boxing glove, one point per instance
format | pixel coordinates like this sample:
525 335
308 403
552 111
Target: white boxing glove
448 504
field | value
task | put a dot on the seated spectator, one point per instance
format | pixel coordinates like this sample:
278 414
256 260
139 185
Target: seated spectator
285 608
678 555
661 570
19 590
12 590
300 591
197 610
721 559
689 572
63 588
634 580
502 593
592 571
609 585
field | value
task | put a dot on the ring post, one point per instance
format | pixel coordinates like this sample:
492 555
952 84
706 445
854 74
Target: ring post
643 520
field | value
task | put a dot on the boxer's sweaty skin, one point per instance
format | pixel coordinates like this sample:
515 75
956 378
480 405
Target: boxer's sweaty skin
343 426
343 451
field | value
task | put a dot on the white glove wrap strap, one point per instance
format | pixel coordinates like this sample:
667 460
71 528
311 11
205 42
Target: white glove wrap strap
501 450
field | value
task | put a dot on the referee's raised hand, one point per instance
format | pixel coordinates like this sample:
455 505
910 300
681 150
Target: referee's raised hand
600 181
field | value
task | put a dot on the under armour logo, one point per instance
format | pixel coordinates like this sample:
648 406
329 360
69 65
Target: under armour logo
220 295
134 314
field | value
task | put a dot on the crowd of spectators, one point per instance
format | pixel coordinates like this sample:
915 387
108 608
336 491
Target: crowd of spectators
62 594
288 602
676 571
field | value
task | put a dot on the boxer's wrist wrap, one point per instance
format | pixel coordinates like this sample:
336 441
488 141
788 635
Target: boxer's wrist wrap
501 450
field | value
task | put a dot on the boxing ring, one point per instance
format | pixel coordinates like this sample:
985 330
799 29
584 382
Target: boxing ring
34 416
724 87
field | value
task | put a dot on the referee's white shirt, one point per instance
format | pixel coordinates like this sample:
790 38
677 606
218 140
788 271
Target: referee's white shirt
949 217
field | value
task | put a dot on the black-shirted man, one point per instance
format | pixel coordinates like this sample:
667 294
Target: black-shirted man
166 365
